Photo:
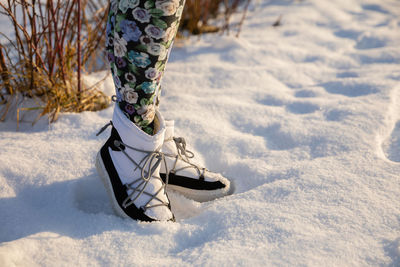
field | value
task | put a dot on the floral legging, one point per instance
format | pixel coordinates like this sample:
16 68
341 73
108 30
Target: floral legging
140 34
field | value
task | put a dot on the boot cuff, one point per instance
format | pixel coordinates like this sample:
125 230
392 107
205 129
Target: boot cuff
133 135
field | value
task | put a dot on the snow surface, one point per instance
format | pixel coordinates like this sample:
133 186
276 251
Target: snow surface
304 118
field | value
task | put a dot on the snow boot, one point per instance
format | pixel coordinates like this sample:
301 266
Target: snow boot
186 177
129 165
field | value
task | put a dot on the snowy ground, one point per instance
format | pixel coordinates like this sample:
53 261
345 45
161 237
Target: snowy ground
304 118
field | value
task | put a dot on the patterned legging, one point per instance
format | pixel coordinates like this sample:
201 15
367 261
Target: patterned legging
140 34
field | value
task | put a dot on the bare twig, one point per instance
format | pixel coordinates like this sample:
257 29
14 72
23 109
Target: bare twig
45 58
4 72
277 22
243 17
78 43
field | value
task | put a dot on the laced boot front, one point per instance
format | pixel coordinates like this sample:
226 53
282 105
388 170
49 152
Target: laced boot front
186 176
129 165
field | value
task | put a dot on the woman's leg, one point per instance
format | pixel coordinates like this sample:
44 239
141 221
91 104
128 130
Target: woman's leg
135 162
140 34
139 37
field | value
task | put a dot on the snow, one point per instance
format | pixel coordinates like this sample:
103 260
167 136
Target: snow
304 119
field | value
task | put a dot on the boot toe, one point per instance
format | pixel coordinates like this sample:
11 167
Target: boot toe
160 213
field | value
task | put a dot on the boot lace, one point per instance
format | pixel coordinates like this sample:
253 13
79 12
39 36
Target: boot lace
148 166
185 156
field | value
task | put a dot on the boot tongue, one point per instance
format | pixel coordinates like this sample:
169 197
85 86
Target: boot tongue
169 146
169 129
134 136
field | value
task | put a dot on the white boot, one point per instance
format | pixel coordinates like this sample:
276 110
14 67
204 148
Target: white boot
185 176
129 165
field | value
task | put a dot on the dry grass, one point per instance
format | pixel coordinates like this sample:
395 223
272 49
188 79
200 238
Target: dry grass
45 56
198 14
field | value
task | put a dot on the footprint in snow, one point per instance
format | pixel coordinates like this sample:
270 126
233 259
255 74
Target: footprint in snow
336 115
295 107
271 101
305 94
347 74
349 88
348 34
381 58
302 108
375 8
370 42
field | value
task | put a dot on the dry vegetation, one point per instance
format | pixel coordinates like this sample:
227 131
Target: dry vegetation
198 14
55 41
46 56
